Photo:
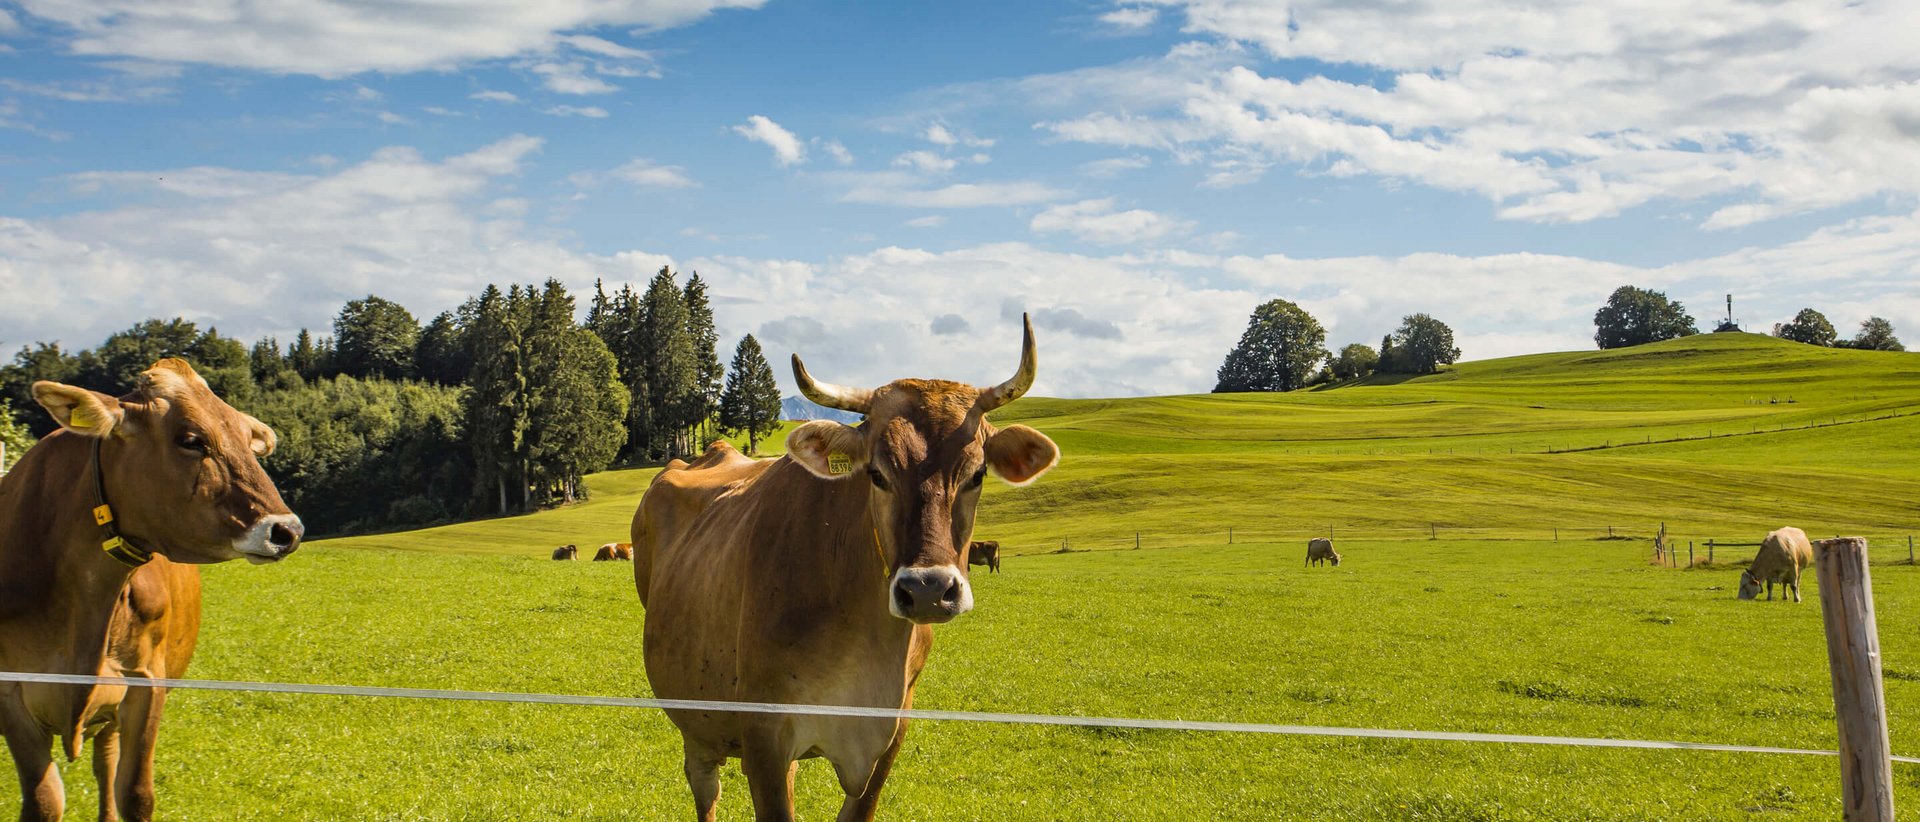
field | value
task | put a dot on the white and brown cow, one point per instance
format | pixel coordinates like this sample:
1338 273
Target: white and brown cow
102 525
816 578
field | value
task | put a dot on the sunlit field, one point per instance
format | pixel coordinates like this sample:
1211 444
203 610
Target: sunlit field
1493 626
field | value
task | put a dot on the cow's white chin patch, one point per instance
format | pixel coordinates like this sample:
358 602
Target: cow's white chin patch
255 544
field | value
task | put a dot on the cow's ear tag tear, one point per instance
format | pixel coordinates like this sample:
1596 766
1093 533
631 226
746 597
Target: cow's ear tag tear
838 463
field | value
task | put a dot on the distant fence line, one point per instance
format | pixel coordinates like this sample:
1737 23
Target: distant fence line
1727 543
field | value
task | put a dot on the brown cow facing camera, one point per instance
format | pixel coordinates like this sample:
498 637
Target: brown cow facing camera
102 526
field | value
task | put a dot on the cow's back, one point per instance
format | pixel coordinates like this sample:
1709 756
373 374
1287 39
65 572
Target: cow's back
1786 548
676 498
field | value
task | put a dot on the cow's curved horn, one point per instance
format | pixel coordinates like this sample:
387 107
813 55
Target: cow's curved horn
828 394
1012 389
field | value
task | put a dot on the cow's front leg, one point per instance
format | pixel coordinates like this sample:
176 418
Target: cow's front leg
863 776
703 778
106 760
766 758
139 732
42 797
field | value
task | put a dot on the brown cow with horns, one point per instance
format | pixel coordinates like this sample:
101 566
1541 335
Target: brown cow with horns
101 526
815 578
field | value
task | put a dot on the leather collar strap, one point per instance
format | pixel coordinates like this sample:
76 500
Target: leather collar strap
116 546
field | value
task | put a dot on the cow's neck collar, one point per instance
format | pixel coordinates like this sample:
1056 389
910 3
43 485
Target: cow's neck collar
116 545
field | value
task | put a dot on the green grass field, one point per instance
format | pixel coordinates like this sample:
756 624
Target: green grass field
1493 627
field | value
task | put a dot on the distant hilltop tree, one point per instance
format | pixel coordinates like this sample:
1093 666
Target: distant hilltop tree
1354 360
1279 351
1633 316
1808 326
1876 334
1421 346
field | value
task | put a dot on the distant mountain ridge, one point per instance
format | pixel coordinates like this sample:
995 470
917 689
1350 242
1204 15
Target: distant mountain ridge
801 408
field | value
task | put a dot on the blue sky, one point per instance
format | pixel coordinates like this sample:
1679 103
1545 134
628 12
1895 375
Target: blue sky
886 187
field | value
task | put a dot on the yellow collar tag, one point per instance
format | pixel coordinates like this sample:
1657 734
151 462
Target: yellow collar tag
838 463
102 515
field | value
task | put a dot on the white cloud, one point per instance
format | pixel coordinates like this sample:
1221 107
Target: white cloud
938 134
644 173
331 39
929 221
571 78
491 96
8 25
925 161
593 112
392 119
838 152
1114 166
440 111
267 253
883 190
1554 114
787 149
1095 221
1131 18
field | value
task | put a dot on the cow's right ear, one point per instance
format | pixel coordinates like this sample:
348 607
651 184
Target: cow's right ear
829 449
87 413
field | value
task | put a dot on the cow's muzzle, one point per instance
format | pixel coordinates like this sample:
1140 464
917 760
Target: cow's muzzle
929 595
271 539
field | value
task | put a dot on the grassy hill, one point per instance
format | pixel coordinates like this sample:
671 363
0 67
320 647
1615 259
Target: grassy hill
1721 435
1493 628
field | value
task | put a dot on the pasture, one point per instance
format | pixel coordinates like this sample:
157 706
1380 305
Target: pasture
1494 627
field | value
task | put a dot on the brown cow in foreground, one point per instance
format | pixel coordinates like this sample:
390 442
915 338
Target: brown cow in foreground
1782 556
984 552
101 526
816 578
622 551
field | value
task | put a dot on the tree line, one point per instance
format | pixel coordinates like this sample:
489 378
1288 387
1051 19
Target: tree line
1635 316
498 406
1284 348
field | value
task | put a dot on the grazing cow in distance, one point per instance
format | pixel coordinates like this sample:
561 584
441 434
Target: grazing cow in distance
984 552
103 526
614 551
1782 556
566 552
1321 548
816 577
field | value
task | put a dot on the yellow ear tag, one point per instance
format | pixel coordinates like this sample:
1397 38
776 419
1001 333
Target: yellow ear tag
838 463
79 418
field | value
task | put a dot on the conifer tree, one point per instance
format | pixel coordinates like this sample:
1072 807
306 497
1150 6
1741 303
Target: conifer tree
751 401
672 378
496 415
708 372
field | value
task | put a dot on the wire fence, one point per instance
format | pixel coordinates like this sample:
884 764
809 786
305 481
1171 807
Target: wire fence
1717 545
916 714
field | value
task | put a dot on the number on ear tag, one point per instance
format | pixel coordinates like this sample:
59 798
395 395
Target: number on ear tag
838 463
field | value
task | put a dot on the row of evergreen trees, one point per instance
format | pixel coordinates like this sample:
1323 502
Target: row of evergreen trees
502 404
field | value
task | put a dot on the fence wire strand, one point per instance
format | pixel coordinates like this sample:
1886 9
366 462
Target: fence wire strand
1183 725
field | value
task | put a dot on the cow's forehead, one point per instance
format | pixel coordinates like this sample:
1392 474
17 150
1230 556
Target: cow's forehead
186 396
921 419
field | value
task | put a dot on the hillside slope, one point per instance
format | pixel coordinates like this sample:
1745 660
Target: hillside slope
1721 435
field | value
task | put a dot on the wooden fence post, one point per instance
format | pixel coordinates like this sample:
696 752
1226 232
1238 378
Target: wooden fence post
1689 553
1859 696
1136 540
1709 552
1229 535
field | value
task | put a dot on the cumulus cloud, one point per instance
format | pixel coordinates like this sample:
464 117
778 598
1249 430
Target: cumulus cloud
1553 114
646 174
331 39
571 78
886 190
929 221
268 252
1096 221
787 149
491 96
837 151
1131 18
950 324
925 161
938 134
591 112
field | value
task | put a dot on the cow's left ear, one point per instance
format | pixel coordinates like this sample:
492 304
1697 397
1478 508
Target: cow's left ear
1019 455
87 413
829 449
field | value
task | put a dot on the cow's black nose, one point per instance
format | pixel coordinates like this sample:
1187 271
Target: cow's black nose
930 594
285 535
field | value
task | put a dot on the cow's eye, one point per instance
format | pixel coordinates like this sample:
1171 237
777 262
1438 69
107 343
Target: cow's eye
879 481
193 442
979 478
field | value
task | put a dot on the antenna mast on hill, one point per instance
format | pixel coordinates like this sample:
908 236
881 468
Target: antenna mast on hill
1728 324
